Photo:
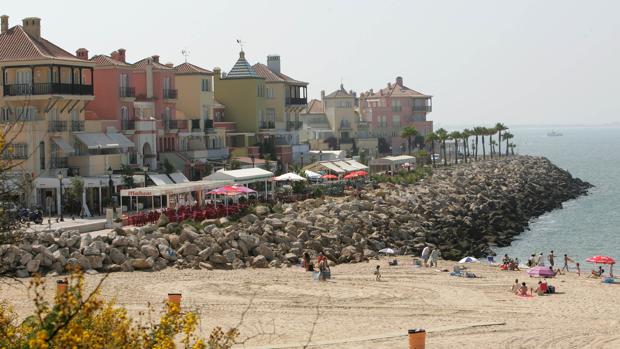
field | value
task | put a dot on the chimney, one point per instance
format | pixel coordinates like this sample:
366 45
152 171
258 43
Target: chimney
155 58
399 81
273 63
82 53
169 65
389 85
32 27
115 56
4 26
322 94
121 55
217 72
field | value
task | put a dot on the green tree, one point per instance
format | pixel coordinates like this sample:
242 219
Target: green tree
499 127
507 137
442 135
235 164
208 168
456 136
431 138
478 131
168 167
127 173
76 191
465 134
409 133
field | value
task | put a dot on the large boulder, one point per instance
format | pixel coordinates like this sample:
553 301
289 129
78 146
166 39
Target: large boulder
167 252
163 220
262 210
141 263
149 251
265 250
33 266
260 261
188 249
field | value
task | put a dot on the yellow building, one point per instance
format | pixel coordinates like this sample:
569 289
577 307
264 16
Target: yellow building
195 103
42 102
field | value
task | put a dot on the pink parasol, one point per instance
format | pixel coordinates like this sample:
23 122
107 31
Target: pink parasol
601 260
227 189
244 190
362 173
329 176
545 272
351 175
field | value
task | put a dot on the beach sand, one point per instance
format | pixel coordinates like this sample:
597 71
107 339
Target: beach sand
354 311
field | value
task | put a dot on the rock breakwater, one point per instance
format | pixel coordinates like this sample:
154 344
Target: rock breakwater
464 210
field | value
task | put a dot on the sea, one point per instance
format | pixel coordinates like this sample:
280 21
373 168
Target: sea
588 225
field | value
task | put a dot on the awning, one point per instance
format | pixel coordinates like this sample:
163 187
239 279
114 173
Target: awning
66 147
104 140
333 167
171 189
160 179
343 165
245 175
178 177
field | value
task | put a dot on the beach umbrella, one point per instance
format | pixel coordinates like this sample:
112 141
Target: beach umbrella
469 260
387 251
329 176
538 271
351 175
293 177
312 174
244 190
361 173
603 260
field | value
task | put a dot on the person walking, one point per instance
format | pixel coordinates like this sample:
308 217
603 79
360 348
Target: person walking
425 254
550 258
541 260
434 257
566 260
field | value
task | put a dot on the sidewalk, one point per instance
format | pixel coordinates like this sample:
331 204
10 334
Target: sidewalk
84 225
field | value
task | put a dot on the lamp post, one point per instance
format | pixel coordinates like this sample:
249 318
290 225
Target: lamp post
320 155
302 160
60 177
110 187
253 158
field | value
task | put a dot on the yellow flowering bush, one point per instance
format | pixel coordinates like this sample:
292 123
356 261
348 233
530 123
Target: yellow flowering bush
75 321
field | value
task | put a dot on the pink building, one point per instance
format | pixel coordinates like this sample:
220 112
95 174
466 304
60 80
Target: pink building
393 108
156 98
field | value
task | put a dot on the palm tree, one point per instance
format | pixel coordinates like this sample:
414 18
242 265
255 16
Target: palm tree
499 127
431 138
409 132
512 148
456 136
493 144
478 131
442 134
483 132
507 136
465 136
490 132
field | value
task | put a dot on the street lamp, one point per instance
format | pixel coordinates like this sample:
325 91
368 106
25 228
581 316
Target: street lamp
60 176
253 158
110 187
145 169
320 155
302 160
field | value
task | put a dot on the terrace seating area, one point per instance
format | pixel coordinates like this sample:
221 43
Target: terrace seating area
196 212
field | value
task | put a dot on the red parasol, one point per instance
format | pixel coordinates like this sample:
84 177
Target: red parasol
601 260
351 175
329 176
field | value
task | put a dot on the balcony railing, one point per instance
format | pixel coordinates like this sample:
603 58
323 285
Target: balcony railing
266 124
47 88
170 94
77 125
294 125
127 92
171 124
296 101
422 108
128 125
59 162
56 126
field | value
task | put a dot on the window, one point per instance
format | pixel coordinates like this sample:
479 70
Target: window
15 151
25 113
396 105
124 114
5 114
271 114
123 81
167 83
196 124
205 85
396 121
260 90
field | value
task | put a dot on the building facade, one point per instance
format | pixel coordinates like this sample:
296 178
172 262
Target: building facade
393 108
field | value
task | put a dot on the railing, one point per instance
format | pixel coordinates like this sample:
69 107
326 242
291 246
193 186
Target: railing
47 88
128 124
296 101
77 125
170 94
56 126
426 108
127 92
171 124
267 124
294 125
59 162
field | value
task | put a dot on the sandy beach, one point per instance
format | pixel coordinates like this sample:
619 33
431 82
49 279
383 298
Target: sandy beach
354 311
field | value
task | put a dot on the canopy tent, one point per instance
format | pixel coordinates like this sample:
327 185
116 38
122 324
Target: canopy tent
390 162
331 166
337 166
244 175
345 166
178 177
356 165
312 174
160 179
104 140
293 177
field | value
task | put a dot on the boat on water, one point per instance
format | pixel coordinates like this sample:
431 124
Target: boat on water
554 134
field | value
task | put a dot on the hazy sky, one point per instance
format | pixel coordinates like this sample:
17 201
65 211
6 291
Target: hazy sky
520 62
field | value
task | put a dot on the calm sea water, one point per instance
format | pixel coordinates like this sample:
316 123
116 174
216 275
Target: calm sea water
589 225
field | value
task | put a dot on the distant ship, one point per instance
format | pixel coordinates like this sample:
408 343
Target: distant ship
554 134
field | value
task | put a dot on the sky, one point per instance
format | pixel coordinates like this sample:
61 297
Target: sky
519 62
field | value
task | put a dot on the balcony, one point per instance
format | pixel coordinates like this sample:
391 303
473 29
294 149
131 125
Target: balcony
266 125
127 125
170 94
422 108
60 162
171 124
48 88
296 101
77 125
56 126
294 125
127 92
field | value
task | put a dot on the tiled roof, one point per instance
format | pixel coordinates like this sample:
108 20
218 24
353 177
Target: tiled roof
188 68
291 80
16 45
241 69
143 63
270 76
103 60
315 107
396 90
339 93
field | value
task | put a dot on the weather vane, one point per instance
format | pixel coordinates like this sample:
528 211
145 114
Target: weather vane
240 43
185 53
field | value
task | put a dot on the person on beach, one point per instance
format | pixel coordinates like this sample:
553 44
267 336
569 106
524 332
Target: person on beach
308 262
530 261
434 257
541 260
550 258
515 287
523 290
426 252
542 288
378 273
578 269
566 259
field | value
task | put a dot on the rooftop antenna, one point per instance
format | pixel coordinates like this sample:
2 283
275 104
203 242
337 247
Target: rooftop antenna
185 52
240 43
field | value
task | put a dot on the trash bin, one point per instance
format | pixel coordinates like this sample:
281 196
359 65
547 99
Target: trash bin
417 338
